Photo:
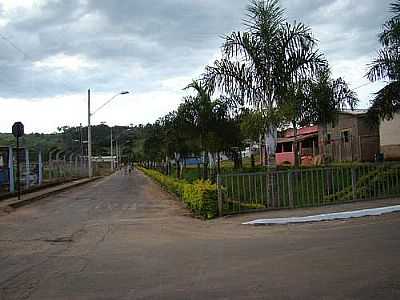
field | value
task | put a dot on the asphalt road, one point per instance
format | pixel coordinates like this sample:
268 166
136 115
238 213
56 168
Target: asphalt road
124 238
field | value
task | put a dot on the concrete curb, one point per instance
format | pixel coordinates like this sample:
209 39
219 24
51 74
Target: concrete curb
9 205
328 216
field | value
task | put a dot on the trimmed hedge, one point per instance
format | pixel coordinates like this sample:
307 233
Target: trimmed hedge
200 196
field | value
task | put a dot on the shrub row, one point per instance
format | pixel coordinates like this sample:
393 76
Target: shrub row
200 196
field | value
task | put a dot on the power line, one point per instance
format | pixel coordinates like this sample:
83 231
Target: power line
62 82
365 84
11 43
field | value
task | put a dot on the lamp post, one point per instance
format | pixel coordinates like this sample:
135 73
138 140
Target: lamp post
90 170
118 148
111 151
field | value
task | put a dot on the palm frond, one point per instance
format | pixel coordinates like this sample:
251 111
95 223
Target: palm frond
386 65
391 33
263 18
233 78
386 102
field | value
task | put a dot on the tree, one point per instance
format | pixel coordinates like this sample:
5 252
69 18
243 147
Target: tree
317 100
254 124
327 97
386 66
262 63
199 120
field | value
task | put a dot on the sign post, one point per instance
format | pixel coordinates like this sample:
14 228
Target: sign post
18 131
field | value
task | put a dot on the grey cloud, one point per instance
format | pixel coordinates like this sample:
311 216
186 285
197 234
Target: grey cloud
350 31
161 39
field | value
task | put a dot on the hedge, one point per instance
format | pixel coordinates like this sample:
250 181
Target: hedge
200 196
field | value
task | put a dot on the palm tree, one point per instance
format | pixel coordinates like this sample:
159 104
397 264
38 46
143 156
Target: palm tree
262 63
215 124
326 98
386 66
197 113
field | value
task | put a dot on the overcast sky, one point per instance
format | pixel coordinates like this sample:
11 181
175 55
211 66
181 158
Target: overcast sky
51 52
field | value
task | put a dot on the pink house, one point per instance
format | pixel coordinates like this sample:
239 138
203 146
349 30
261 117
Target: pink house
307 146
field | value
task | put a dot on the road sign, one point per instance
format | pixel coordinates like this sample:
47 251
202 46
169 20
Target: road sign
18 129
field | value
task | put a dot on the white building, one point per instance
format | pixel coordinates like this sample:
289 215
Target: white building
390 138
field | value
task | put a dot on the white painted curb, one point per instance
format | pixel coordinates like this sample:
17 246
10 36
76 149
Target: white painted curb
327 217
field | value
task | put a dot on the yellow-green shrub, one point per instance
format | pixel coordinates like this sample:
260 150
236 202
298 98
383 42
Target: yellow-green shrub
200 196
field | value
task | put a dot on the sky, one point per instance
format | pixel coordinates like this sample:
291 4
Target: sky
52 52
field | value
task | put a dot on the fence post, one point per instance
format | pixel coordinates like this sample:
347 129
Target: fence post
11 185
27 169
353 182
290 188
220 210
76 167
40 168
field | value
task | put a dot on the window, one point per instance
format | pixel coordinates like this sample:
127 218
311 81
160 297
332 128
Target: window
287 147
346 136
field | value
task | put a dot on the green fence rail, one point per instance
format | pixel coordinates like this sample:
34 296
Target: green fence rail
269 190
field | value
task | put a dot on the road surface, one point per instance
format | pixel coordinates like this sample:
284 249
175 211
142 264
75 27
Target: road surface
124 238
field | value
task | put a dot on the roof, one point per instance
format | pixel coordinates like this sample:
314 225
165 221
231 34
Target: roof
298 138
302 131
354 112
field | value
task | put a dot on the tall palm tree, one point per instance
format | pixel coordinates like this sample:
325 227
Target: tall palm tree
259 66
386 66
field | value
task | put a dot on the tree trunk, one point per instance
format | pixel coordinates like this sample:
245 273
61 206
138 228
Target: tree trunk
178 165
253 162
322 144
271 139
236 160
295 149
261 151
218 163
214 165
205 165
178 169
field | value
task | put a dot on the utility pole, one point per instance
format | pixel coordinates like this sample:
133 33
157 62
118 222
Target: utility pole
117 152
90 171
112 156
80 139
18 131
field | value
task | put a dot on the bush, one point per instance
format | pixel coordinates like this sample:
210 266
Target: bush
200 196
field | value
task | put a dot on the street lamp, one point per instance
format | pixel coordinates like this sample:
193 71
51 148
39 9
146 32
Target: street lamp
90 170
117 146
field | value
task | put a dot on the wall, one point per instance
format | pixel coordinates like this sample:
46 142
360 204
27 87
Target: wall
368 139
337 149
390 138
363 141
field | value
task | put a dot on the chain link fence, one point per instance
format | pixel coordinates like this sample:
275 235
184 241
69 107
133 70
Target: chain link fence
34 172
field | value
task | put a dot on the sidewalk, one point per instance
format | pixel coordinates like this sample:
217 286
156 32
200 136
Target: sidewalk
304 212
12 203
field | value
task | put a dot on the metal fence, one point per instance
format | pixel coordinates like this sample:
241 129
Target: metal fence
274 189
35 172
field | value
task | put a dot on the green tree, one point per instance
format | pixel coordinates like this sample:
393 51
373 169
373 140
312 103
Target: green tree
261 64
386 66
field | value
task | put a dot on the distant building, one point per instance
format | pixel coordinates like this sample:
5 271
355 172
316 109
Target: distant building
307 145
352 137
349 138
389 132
